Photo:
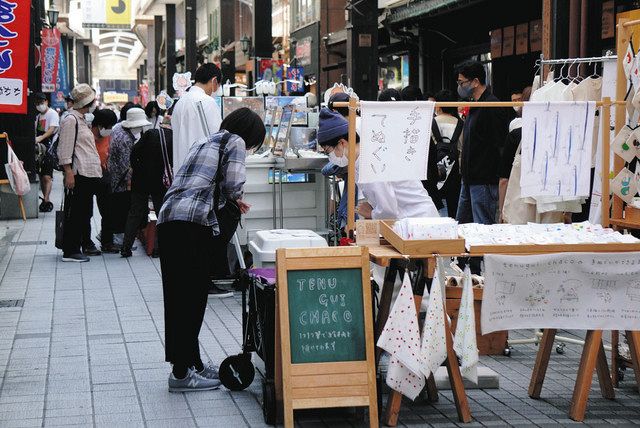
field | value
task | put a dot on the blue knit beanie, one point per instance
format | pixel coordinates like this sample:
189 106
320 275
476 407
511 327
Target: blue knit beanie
332 125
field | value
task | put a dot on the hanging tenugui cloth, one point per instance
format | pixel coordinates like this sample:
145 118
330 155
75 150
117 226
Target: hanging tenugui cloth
556 149
465 343
434 344
394 143
401 339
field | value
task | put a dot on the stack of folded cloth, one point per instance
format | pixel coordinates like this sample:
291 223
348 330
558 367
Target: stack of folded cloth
427 228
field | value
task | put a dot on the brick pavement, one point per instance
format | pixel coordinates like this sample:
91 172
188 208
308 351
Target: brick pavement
86 349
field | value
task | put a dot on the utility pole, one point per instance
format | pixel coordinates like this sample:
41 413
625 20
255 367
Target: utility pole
362 48
190 59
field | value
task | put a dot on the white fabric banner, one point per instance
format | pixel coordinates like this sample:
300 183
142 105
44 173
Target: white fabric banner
557 140
394 143
574 291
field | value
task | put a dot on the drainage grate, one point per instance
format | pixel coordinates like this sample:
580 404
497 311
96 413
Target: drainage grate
24 243
11 303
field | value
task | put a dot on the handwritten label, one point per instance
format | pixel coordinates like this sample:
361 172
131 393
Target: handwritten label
596 291
367 232
326 315
10 91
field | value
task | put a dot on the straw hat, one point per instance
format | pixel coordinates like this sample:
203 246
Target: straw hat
136 118
82 95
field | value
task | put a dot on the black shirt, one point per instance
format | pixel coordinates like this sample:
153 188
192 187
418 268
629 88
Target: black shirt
485 130
146 160
509 153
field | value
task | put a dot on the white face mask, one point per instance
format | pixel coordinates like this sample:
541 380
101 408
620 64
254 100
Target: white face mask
136 131
88 117
218 92
42 107
92 108
105 132
341 162
518 110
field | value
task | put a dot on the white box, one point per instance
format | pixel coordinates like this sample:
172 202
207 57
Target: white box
263 247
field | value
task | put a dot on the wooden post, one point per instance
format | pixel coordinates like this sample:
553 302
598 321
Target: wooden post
585 375
606 148
622 41
542 362
547 31
351 180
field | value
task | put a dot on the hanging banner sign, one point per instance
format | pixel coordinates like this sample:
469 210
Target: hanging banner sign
62 84
14 60
106 14
50 56
295 73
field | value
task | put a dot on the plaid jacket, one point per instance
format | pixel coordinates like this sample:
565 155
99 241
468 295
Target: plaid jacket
190 197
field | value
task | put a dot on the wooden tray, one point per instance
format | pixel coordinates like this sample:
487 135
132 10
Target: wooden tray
553 248
420 247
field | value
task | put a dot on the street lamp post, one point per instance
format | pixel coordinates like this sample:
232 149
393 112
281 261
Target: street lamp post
52 14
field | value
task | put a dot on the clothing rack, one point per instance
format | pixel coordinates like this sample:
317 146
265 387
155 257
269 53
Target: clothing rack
571 61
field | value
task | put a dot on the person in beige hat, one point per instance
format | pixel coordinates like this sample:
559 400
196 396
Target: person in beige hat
78 156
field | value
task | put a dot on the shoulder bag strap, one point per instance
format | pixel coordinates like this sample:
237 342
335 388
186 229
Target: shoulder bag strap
457 132
219 176
168 169
435 132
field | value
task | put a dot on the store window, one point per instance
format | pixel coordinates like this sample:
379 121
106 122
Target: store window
304 12
394 72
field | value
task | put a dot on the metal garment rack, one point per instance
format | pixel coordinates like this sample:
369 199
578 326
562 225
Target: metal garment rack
541 63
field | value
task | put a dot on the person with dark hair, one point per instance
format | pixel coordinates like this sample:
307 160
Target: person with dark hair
394 200
78 155
412 93
47 124
447 133
428 96
197 115
200 213
154 114
125 108
103 122
390 94
485 130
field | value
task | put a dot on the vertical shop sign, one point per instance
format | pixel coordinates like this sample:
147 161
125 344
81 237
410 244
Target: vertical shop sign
496 43
14 58
50 55
535 35
295 73
62 84
507 40
608 20
522 38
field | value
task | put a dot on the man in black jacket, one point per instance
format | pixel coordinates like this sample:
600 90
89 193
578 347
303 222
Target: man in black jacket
485 130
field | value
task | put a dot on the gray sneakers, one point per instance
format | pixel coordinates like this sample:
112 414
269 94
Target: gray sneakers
210 371
192 382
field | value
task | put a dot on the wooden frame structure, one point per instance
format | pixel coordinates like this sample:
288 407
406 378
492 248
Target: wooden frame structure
332 384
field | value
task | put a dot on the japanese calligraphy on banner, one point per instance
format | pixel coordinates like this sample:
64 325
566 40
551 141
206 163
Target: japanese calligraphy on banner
14 59
106 14
394 143
49 58
62 84
582 291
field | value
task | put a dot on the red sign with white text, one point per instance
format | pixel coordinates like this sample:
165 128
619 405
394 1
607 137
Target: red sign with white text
50 54
14 55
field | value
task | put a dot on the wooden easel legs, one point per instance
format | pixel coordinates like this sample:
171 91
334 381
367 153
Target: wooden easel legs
593 358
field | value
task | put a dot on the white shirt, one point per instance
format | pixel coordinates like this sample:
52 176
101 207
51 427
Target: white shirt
195 116
399 199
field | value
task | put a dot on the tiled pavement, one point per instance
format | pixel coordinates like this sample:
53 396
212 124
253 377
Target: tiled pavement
86 349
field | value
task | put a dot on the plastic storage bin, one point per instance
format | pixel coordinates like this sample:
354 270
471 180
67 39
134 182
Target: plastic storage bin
264 246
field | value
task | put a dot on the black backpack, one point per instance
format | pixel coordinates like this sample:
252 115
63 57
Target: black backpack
444 145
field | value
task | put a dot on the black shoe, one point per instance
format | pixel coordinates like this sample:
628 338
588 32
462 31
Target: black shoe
91 251
49 207
218 293
110 248
124 253
77 258
43 207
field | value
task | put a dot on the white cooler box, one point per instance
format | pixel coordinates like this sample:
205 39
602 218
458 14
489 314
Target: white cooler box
264 246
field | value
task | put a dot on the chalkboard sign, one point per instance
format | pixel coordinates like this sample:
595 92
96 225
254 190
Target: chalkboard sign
325 315
325 330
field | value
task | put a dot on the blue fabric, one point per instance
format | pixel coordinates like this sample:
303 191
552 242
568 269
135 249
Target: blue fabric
478 203
332 125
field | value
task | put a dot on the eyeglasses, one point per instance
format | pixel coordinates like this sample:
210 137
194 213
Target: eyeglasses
462 82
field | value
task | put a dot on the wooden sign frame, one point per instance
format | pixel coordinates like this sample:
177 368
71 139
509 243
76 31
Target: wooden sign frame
326 385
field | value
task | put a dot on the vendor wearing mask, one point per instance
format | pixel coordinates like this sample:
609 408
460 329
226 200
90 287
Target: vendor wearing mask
392 200
47 124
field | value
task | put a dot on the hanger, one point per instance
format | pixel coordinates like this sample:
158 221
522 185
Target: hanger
595 74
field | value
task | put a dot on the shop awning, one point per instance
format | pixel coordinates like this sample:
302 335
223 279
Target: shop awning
425 8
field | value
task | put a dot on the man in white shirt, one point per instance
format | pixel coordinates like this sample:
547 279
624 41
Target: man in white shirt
47 124
196 115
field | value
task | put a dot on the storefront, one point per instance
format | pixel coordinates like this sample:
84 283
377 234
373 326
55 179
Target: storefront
305 51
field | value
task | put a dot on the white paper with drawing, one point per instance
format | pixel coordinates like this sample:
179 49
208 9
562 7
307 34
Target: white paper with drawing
581 291
394 144
557 142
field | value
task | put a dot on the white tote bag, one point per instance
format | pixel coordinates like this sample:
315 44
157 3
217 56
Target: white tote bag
16 174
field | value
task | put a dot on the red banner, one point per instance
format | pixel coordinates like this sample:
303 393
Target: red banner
50 55
14 58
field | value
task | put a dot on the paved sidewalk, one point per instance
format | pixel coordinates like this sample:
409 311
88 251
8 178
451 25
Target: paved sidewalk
86 349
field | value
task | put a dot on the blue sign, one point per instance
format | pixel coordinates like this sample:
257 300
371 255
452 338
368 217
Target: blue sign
295 73
62 84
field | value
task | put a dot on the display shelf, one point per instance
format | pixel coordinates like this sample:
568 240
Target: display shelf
480 250
419 247
627 224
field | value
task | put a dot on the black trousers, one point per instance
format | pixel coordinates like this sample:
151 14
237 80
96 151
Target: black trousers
78 206
185 260
138 212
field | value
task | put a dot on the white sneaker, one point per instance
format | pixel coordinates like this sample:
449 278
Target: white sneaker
192 382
